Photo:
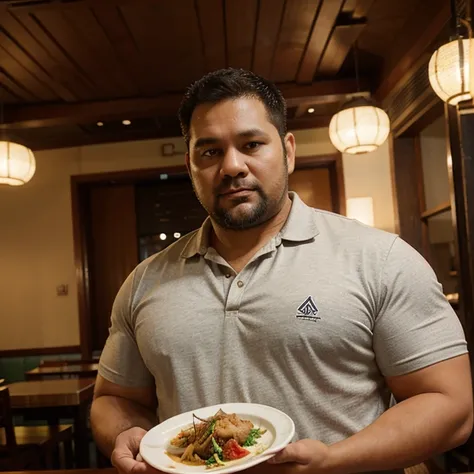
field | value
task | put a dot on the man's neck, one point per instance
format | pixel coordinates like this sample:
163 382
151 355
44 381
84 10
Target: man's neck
238 247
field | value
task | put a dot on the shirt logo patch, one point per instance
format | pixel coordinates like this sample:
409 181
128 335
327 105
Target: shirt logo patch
308 310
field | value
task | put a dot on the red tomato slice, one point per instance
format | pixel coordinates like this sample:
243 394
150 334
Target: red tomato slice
232 450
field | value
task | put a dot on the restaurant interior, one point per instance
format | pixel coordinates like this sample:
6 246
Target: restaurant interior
93 180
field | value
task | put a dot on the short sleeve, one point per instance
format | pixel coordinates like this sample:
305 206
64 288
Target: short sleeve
416 326
121 361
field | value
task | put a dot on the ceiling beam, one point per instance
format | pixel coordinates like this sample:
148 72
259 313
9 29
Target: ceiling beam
50 115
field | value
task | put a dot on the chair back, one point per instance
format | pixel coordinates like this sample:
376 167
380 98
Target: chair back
6 418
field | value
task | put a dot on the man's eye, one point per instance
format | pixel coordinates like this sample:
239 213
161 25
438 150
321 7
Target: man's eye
212 152
253 145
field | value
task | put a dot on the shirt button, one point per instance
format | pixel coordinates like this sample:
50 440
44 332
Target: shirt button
240 284
228 275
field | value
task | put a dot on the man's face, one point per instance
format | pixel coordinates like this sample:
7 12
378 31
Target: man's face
237 162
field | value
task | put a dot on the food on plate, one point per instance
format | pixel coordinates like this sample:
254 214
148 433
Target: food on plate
214 441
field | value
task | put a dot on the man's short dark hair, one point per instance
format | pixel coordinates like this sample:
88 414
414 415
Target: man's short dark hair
227 84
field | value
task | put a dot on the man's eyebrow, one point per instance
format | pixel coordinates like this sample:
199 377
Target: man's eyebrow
252 132
205 141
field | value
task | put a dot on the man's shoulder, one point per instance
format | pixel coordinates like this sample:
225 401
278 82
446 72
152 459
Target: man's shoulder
352 228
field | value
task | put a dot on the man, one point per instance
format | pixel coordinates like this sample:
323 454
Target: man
276 303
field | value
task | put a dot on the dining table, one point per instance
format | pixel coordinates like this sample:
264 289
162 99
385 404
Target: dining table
79 370
56 399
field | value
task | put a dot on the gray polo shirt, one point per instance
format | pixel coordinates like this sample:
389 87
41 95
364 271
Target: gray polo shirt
310 326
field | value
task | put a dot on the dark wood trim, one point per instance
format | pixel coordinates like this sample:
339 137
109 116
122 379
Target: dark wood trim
336 175
82 267
461 175
128 176
409 192
34 116
79 186
40 351
436 211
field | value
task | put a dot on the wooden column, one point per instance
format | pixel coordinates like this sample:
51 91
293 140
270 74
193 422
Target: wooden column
460 128
461 175
409 192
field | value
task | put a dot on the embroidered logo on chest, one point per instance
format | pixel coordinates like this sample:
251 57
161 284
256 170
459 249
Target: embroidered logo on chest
308 310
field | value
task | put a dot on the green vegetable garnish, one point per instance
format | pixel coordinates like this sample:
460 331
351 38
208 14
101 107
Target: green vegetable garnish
217 448
211 428
252 437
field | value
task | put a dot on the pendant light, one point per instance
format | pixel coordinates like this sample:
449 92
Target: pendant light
451 67
359 126
17 162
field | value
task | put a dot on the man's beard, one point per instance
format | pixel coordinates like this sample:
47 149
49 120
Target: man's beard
257 215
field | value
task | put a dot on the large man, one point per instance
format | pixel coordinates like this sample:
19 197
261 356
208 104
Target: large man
276 303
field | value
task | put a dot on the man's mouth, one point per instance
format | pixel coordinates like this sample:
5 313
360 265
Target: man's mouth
236 192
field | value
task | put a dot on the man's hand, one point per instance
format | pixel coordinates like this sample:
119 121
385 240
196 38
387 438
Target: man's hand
305 456
127 446
308 452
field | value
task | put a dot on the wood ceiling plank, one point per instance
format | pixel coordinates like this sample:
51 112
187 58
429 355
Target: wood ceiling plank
167 35
7 97
241 20
61 76
65 35
16 88
363 8
22 76
269 20
349 6
298 20
74 74
111 20
341 42
211 24
322 29
12 48
86 26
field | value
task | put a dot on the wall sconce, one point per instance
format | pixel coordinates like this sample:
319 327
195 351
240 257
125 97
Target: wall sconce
361 209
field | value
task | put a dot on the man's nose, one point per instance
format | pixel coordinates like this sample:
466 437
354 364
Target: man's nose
234 164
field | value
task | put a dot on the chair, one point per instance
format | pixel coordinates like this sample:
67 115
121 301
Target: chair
31 447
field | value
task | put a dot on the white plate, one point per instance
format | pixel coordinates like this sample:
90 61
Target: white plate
280 431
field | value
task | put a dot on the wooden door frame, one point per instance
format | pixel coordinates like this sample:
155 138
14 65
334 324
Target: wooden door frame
79 189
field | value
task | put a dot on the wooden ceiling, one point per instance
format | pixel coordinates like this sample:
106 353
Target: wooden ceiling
67 65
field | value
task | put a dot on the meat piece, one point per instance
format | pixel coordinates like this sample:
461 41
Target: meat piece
231 426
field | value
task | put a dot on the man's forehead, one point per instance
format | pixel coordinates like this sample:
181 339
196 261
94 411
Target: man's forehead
231 115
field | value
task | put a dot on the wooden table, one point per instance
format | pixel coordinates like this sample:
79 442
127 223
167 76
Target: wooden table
110 470
54 399
76 370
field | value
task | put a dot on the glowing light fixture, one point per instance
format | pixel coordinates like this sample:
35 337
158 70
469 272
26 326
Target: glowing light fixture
359 127
362 209
17 163
451 68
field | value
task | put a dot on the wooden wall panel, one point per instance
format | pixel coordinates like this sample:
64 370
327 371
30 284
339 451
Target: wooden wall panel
114 251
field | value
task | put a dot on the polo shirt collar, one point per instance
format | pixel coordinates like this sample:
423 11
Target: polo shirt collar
300 227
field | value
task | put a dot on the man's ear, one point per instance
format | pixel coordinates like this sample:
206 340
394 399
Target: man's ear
290 147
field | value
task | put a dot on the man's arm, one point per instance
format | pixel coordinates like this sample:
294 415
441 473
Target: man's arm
116 409
434 413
